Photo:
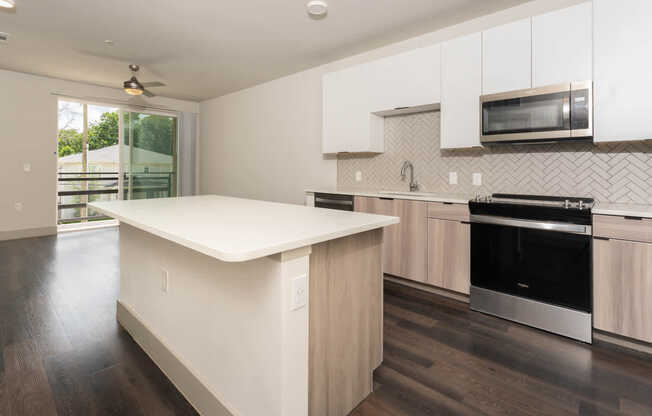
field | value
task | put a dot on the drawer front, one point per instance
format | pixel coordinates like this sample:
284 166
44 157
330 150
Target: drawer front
446 211
623 228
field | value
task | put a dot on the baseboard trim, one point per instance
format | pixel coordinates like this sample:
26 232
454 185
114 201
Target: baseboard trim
99 225
184 379
622 342
427 288
27 233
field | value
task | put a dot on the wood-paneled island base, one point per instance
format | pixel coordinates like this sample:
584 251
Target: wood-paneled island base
228 333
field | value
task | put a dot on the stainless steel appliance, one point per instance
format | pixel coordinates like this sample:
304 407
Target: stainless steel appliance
554 113
334 201
531 261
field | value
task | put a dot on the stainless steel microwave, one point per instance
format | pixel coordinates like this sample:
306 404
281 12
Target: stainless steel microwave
555 113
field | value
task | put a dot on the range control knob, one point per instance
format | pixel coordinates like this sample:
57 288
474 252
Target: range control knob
567 204
580 205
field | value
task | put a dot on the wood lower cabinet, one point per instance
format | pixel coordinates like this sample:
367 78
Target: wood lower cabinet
408 256
622 292
380 206
404 244
449 247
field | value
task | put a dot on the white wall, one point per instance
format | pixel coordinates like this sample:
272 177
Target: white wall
28 134
265 142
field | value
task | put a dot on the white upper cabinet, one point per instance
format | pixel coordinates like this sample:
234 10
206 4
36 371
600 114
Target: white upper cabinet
461 87
507 57
406 80
562 46
622 33
347 124
352 95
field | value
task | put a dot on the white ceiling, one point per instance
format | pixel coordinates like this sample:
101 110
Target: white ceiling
206 48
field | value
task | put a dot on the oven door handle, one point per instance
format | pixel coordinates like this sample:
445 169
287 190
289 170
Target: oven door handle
534 225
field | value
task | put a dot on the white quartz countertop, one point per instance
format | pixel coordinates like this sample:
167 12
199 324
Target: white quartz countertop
631 210
416 196
235 229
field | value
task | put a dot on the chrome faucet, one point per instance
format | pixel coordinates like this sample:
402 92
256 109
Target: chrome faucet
414 186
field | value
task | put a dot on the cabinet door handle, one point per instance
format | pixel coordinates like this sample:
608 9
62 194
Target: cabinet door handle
386 199
595 237
634 218
465 222
447 203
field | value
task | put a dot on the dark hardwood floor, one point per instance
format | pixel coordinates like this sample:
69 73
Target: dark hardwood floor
61 350
443 359
62 353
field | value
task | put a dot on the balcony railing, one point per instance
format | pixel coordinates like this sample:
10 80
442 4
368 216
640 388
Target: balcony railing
76 189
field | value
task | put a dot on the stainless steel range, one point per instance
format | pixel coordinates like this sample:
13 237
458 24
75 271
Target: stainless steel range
531 261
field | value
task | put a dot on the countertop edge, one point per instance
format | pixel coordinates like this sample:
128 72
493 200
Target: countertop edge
247 255
378 194
619 212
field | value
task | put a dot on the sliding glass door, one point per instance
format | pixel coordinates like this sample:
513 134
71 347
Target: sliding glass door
106 152
149 155
88 160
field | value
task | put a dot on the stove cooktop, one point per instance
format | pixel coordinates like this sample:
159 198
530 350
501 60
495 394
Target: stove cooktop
538 200
540 207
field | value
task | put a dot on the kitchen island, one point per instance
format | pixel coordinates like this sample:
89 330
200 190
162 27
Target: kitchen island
254 307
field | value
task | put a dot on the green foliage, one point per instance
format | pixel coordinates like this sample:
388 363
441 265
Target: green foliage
104 132
154 133
70 142
101 134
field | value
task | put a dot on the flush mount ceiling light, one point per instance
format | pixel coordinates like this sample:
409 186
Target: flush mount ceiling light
317 9
8 4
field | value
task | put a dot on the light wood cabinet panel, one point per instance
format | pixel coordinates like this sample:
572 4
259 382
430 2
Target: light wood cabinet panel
445 211
507 57
562 46
380 206
449 250
407 257
345 322
621 69
404 244
622 292
623 228
461 86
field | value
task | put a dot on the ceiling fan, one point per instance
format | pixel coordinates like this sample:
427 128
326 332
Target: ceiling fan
135 87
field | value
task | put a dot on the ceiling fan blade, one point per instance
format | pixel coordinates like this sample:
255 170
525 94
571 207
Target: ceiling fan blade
152 84
146 93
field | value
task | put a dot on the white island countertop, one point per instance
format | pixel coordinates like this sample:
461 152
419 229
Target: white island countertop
235 229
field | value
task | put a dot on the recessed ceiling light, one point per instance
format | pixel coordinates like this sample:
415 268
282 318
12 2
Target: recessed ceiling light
9 4
317 9
107 42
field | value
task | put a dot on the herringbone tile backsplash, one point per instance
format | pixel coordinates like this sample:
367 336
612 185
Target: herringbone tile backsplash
613 172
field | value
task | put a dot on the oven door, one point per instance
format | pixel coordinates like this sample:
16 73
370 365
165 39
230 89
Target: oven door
535 263
533 114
